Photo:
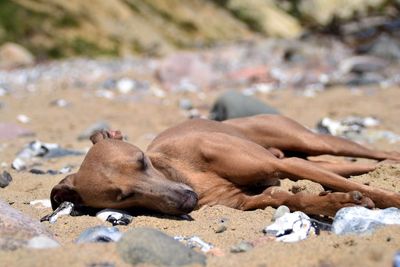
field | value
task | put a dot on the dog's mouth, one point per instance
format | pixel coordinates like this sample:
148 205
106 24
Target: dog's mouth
189 201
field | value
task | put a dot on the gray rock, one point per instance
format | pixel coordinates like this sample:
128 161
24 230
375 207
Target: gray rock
99 234
5 179
241 247
16 229
150 246
232 104
98 126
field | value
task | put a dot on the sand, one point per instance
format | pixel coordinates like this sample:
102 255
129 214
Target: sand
140 121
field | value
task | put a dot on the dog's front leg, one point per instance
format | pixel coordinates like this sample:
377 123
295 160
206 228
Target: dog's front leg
296 169
323 204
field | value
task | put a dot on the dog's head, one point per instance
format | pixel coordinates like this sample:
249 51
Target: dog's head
116 174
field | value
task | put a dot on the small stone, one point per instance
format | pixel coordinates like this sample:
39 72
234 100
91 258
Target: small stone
150 246
42 242
22 118
99 234
185 104
243 246
62 103
5 179
125 85
280 211
220 229
18 164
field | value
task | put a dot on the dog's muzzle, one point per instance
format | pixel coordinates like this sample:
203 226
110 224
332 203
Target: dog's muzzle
189 201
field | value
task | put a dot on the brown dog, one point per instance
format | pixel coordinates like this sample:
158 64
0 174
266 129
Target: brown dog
236 163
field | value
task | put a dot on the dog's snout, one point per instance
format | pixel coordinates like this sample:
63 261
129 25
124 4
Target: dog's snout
189 201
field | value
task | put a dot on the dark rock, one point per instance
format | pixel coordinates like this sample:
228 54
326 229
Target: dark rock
232 104
5 179
150 246
16 229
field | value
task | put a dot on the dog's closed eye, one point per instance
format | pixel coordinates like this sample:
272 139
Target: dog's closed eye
142 162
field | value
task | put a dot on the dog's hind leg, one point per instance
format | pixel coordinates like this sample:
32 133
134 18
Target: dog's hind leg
323 204
289 136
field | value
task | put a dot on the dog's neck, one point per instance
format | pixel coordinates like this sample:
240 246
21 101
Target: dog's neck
166 167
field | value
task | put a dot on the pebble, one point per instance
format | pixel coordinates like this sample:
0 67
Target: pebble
151 246
185 104
280 211
5 179
220 229
243 246
22 118
42 242
99 234
125 85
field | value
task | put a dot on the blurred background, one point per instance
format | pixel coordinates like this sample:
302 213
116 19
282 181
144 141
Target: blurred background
56 29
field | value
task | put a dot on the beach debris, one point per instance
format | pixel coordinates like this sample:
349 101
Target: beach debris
41 203
42 242
356 128
243 246
99 234
233 104
98 126
11 130
22 118
292 227
66 208
358 220
43 150
5 179
151 246
194 242
64 170
17 228
115 217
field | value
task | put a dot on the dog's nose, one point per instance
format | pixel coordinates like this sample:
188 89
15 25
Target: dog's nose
189 201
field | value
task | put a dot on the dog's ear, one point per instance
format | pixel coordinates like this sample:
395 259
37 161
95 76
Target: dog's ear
65 191
103 134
